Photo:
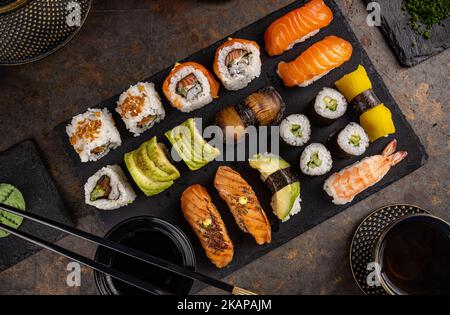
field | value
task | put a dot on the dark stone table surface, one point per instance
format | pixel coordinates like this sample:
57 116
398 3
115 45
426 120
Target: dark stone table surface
124 41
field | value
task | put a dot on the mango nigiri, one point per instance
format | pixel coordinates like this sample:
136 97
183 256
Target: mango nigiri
315 62
376 118
297 26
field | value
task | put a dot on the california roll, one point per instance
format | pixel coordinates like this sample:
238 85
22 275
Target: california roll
93 134
237 63
140 107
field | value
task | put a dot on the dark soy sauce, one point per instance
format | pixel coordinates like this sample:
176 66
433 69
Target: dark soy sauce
155 243
416 258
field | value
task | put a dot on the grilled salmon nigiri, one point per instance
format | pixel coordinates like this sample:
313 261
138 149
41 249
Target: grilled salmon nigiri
207 224
243 203
315 62
297 26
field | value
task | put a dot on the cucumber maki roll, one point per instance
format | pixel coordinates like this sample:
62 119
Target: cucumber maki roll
328 106
316 160
349 141
295 130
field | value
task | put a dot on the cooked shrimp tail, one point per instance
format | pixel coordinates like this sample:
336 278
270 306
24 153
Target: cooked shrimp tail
390 148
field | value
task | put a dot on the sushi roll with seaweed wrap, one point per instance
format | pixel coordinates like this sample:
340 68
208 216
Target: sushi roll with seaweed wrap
190 86
237 63
295 130
349 141
93 134
140 107
108 189
329 105
315 160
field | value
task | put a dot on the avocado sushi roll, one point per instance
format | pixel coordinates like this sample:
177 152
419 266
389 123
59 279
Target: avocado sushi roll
295 130
282 181
108 189
328 106
315 160
349 141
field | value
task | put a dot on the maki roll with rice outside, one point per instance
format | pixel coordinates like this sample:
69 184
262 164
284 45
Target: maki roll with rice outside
349 141
93 134
295 130
328 106
262 108
108 189
190 86
316 160
140 107
237 63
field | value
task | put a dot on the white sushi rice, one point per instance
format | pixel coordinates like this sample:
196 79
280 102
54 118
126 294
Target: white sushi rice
151 107
106 136
344 139
194 100
296 208
121 192
302 39
247 73
322 154
299 123
320 106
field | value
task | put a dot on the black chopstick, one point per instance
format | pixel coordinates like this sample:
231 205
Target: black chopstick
166 265
85 261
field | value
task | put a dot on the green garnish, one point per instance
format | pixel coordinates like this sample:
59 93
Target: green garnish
355 140
10 196
425 14
314 160
97 193
243 200
330 103
207 223
296 130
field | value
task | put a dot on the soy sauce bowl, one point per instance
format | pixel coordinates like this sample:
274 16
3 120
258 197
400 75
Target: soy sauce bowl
152 236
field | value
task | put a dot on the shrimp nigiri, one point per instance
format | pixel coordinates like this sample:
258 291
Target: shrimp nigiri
297 26
343 186
315 62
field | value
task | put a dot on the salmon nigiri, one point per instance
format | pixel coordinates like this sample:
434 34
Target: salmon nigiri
297 26
343 186
315 62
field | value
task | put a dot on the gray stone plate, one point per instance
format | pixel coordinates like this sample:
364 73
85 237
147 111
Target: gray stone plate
23 167
409 47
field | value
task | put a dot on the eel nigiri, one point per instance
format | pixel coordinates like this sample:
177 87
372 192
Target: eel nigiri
243 204
343 186
315 62
297 26
207 224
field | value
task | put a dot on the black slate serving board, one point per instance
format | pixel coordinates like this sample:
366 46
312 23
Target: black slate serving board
23 167
409 47
316 207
